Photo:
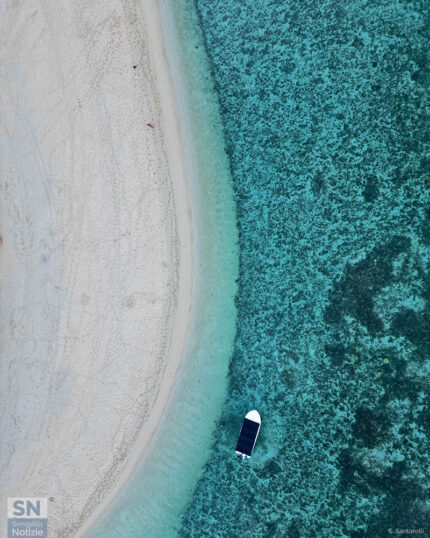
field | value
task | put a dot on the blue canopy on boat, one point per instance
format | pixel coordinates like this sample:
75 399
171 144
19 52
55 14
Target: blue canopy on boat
247 437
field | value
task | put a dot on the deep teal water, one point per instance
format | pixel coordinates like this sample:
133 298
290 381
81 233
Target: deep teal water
325 106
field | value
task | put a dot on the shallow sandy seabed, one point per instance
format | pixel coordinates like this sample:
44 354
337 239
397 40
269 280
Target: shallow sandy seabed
96 255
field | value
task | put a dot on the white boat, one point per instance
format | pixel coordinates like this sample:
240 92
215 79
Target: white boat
248 434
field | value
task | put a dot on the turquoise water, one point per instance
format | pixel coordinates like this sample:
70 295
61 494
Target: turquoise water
325 113
152 502
325 108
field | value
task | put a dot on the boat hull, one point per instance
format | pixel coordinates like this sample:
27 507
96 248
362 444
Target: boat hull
248 434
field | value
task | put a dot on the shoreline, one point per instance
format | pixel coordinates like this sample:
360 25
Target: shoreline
175 153
154 498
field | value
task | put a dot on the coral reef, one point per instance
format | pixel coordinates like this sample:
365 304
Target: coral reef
325 108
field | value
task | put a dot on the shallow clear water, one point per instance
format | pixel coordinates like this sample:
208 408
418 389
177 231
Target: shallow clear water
152 502
326 114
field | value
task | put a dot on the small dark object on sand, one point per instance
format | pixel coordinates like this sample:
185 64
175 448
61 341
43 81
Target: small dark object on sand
150 125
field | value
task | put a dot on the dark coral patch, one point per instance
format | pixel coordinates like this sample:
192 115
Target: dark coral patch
371 190
398 385
394 481
371 427
293 531
354 294
402 503
317 184
336 352
415 327
423 419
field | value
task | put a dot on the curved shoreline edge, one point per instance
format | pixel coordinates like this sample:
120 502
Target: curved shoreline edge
192 391
183 245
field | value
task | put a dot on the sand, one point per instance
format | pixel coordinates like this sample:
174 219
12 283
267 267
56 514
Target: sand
95 264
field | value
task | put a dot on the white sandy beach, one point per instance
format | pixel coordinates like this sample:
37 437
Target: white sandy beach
95 264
